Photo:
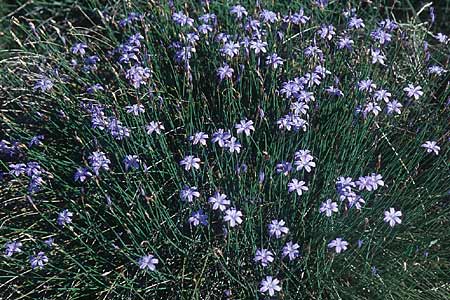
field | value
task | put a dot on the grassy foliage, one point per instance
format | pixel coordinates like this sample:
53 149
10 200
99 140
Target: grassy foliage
95 256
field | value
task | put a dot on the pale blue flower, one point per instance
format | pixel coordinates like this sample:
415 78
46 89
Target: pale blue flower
239 11
431 146
268 16
230 49
339 244
263 256
271 285
154 126
284 168
392 217
188 193
299 18
225 72
297 186
245 126
382 94
135 109
198 138
148 262
233 216
328 207
355 23
43 84
189 162
219 201
306 163
372 107
258 46
98 161
233 145
413 91
377 56
366 85
291 250
327 32
181 19
394 107
277 228
274 60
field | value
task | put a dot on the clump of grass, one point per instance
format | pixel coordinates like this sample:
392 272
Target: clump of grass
98 115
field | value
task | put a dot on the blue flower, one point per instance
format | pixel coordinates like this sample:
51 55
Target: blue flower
131 161
94 88
188 193
345 43
49 242
377 56
233 145
36 140
17 169
258 46
38 261
297 186
268 16
239 11
220 137
327 32
261 176
116 129
129 19
82 174
394 107
79 48
207 18
284 168
138 75
413 91
230 49
274 60
43 84
181 19
13 247
98 161
299 18
64 217
198 217
225 72
190 161
355 23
